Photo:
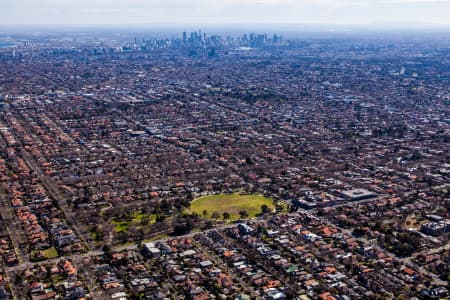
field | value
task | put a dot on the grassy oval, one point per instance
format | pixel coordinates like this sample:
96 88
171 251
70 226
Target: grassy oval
231 203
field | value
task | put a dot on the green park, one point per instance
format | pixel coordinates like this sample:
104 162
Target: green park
235 206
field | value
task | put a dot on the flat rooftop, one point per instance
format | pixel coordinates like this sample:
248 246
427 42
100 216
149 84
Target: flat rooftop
357 194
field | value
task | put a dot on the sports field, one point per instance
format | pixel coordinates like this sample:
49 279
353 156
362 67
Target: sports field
230 203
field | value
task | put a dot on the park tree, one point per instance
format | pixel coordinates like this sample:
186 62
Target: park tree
208 225
107 250
165 205
243 214
182 225
160 218
265 209
145 220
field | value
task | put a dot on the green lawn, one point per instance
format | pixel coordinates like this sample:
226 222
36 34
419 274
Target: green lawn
48 254
51 253
120 226
284 207
231 203
155 238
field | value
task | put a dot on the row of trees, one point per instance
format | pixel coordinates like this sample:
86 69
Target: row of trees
242 213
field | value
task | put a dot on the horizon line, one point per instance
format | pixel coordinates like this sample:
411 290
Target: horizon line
173 24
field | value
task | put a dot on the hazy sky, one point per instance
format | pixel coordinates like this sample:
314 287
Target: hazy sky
224 11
